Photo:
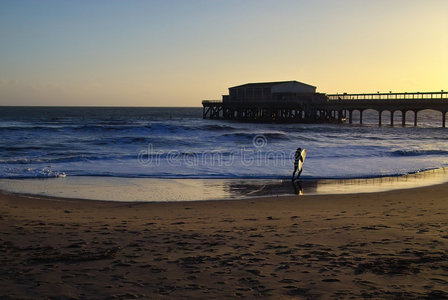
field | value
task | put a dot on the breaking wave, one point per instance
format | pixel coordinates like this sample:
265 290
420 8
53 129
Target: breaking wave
178 143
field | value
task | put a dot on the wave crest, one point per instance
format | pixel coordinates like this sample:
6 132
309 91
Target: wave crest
418 152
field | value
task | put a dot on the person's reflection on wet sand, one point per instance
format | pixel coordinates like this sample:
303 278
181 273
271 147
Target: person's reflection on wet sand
298 190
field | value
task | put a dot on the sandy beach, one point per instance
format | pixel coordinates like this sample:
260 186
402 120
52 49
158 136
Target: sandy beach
374 245
198 150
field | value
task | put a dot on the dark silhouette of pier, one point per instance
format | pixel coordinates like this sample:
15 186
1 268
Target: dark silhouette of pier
346 104
319 108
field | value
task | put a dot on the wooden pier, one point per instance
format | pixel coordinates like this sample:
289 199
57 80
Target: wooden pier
320 108
391 102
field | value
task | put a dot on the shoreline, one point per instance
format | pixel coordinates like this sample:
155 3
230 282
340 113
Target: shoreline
177 190
374 245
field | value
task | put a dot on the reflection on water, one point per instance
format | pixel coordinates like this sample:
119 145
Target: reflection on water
151 189
254 188
298 189
368 185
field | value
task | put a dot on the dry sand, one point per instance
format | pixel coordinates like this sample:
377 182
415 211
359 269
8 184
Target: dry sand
380 245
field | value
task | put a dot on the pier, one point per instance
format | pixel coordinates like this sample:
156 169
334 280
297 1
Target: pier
295 102
346 104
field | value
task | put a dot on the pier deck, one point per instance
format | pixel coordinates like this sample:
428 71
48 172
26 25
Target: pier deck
331 108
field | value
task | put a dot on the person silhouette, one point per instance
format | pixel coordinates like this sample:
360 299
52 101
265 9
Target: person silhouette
297 157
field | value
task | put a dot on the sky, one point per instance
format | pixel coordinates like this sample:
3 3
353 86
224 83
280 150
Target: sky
179 52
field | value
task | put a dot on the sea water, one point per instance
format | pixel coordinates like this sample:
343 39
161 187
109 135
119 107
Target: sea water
138 142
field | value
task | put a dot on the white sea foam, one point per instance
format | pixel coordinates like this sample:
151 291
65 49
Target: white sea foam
178 143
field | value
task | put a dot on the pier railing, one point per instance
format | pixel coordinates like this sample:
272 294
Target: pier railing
282 103
364 96
211 102
390 96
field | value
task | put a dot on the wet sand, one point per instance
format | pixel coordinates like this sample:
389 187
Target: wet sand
169 189
381 245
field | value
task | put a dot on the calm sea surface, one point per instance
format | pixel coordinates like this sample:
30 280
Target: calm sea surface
48 142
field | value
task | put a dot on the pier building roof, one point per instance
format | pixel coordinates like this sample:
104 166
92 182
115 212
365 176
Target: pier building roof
280 86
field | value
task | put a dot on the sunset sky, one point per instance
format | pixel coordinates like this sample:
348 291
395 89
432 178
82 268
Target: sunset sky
177 53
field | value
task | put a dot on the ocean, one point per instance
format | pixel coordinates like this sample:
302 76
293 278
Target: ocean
139 142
